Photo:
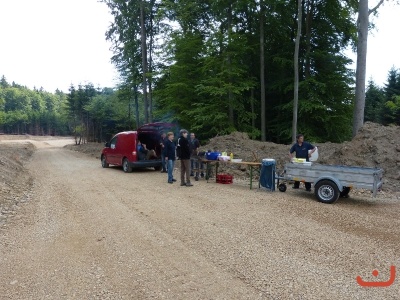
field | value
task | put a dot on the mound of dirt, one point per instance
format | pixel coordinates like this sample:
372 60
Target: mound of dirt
374 146
14 182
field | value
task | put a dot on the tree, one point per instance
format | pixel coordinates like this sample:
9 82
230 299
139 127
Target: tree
374 103
362 43
3 82
132 35
296 69
262 71
390 109
143 39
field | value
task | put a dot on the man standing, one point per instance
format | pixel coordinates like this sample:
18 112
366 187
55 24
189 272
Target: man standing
184 155
170 156
163 141
301 148
194 149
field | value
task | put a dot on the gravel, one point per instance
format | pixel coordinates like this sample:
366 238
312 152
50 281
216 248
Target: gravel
84 232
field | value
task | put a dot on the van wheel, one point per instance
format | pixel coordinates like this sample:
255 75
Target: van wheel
326 191
157 168
126 166
104 163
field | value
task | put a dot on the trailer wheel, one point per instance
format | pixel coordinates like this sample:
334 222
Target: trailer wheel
345 192
326 191
282 187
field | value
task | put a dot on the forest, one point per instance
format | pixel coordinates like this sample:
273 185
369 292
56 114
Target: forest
214 67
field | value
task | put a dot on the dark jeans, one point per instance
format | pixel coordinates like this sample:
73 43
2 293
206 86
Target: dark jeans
194 164
163 162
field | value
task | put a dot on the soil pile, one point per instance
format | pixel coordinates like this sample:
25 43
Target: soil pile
374 146
14 182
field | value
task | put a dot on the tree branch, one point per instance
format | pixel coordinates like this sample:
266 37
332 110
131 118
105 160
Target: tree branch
371 11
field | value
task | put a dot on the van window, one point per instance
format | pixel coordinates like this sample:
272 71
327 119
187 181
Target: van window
113 142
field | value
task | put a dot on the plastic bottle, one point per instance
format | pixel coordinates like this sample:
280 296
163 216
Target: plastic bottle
231 156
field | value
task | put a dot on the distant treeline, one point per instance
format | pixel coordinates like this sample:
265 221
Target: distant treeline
95 114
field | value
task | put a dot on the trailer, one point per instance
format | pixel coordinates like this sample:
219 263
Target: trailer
330 181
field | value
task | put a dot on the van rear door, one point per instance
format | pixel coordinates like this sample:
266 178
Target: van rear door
150 134
156 127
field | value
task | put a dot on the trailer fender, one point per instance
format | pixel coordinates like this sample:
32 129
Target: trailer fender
335 180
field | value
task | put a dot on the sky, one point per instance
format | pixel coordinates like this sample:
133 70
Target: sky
56 43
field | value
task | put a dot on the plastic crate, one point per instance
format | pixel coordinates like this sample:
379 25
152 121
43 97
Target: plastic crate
224 178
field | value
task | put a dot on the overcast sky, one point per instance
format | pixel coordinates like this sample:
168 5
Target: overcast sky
53 43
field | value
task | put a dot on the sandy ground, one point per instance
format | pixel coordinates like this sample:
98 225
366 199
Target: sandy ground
83 232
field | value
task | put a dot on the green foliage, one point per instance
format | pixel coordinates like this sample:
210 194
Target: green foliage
393 111
374 103
389 110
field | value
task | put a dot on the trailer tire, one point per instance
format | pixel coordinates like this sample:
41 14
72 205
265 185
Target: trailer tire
282 187
345 192
326 191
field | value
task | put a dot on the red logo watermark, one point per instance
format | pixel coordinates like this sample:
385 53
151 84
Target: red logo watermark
378 283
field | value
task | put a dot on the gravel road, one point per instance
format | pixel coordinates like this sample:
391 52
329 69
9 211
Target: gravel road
93 233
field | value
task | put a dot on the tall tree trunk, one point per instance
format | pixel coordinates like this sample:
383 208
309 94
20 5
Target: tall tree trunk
296 70
309 8
135 92
362 30
151 62
262 72
144 60
230 94
361 66
253 119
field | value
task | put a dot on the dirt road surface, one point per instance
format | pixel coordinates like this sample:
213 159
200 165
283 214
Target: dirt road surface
93 233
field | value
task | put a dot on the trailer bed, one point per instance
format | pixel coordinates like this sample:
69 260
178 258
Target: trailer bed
344 177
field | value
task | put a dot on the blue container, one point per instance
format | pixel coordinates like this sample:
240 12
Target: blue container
212 155
267 175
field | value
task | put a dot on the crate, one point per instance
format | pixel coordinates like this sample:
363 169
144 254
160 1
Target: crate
224 178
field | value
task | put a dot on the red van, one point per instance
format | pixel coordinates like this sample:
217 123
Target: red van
121 149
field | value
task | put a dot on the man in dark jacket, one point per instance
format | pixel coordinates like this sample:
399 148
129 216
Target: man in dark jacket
169 152
194 150
302 151
184 155
163 141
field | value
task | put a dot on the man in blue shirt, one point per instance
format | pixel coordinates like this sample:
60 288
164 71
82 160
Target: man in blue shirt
301 148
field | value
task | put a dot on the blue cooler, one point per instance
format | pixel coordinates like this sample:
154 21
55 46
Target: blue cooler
212 155
267 175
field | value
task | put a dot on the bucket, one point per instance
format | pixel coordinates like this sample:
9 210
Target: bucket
314 156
